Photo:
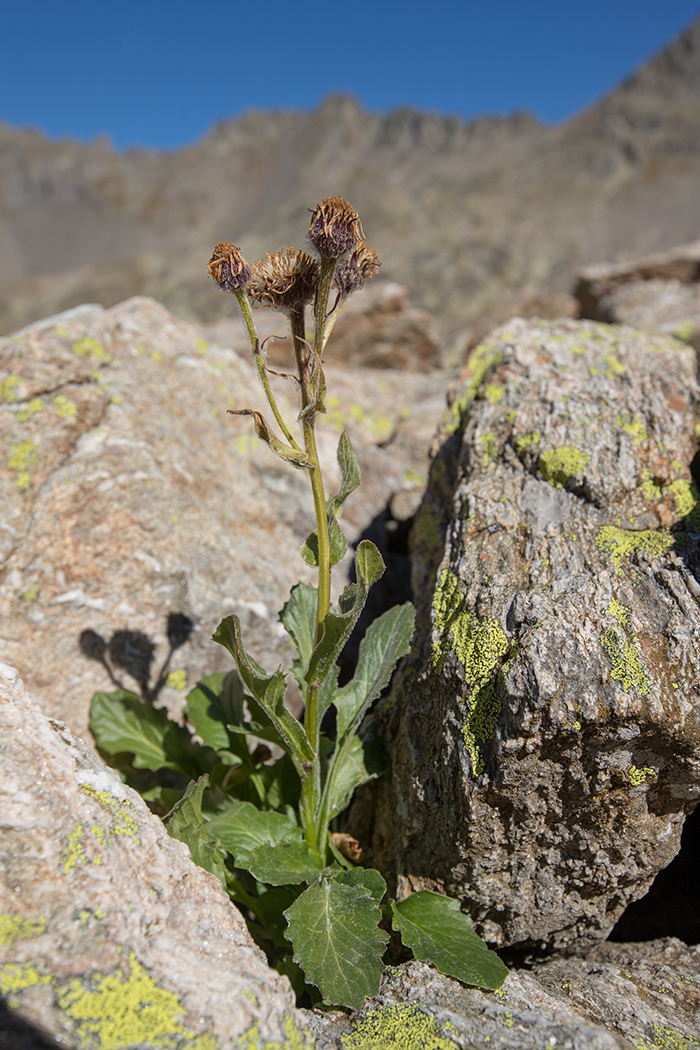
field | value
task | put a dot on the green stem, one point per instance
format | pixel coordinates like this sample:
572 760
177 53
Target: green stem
325 283
244 304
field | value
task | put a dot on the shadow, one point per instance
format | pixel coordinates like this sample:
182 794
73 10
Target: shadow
18 1034
133 652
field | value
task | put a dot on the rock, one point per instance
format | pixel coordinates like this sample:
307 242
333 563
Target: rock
621 996
109 934
544 734
128 497
658 292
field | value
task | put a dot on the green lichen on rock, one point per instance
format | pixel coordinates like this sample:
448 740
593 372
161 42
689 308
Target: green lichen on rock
614 368
16 927
15 978
19 458
522 444
633 426
687 498
638 775
294 1039
177 679
489 444
64 406
8 388
494 393
481 361
559 465
618 611
127 1008
31 409
479 645
652 487
627 665
426 533
623 543
665 1038
122 813
397 1026
478 726
89 346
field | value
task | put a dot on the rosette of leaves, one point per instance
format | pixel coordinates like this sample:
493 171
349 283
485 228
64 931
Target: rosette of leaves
253 791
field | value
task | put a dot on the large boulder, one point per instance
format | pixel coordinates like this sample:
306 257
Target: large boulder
131 504
110 936
545 732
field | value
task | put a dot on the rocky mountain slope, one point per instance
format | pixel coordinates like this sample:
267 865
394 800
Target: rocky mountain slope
469 215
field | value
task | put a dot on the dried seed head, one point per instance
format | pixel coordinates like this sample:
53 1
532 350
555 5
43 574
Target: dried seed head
360 266
228 267
335 227
284 280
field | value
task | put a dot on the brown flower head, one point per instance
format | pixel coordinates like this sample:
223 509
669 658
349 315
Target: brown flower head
284 280
360 266
228 267
335 227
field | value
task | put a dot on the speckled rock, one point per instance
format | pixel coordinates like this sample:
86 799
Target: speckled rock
544 734
127 495
621 997
110 936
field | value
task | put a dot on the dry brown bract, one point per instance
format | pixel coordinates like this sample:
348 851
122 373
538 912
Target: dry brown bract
228 267
360 266
335 227
285 280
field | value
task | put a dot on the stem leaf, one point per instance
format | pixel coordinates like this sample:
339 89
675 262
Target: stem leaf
267 690
296 457
285 863
439 933
299 620
360 758
334 929
215 701
387 639
349 480
185 823
241 827
337 627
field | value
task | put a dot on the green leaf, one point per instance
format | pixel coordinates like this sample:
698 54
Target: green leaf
350 479
367 877
285 864
214 702
299 619
439 933
185 823
120 721
242 826
337 942
387 639
268 691
337 627
360 758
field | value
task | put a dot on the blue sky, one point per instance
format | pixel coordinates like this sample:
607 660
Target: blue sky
157 74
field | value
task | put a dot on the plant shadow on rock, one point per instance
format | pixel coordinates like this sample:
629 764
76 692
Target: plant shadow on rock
133 652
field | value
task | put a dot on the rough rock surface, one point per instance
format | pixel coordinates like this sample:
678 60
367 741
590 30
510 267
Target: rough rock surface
544 735
110 936
128 495
620 997
657 292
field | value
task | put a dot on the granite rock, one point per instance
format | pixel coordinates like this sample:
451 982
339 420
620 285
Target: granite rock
109 934
544 732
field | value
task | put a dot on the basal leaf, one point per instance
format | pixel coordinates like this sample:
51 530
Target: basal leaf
337 942
213 703
120 721
267 690
439 933
185 823
387 639
285 863
242 826
360 758
337 627
367 877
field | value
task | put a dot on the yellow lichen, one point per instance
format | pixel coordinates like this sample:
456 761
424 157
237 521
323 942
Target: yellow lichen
558 465
665 1038
16 928
489 443
627 665
481 720
177 679
618 611
64 406
88 345
19 458
479 645
615 368
633 426
397 1026
640 775
622 543
34 406
494 393
8 388
119 1010
31 593
16 978
652 487
481 361
522 444
687 499
123 814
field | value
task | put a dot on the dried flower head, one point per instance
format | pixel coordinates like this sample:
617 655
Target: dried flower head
228 267
284 280
335 227
360 266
